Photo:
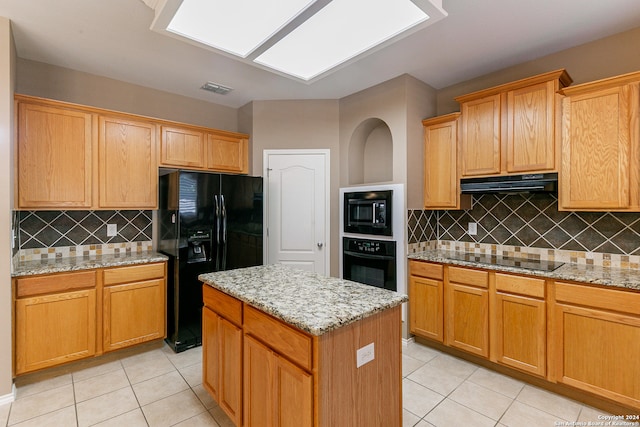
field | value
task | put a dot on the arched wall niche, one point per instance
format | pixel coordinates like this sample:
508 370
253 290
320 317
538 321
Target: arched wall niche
371 153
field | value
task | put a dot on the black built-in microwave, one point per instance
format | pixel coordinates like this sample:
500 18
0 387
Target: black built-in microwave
368 212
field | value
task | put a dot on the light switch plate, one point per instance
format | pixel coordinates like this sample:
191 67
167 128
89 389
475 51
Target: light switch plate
112 230
473 228
365 355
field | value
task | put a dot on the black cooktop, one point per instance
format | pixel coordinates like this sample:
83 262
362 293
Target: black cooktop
529 264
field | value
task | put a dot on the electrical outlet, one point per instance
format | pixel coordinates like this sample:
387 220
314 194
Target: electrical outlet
365 355
473 228
112 230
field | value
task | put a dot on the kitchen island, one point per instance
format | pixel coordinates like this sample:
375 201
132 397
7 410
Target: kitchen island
288 347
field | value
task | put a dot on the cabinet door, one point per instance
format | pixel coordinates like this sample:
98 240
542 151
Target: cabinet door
133 313
531 128
230 357
127 163
258 372
182 147
294 395
598 351
226 154
598 158
54 329
54 153
425 307
441 166
467 318
520 339
480 148
211 352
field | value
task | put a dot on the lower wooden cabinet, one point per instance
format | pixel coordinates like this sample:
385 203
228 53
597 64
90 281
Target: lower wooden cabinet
55 329
519 323
277 392
466 304
59 317
426 289
222 367
597 341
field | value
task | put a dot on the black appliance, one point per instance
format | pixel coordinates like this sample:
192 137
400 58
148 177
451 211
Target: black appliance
372 262
537 182
368 212
207 222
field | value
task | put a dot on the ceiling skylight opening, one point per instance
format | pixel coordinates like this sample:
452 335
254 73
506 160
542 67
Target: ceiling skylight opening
340 31
238 26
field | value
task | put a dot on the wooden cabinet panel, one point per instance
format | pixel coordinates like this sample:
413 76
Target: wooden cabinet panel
55 154
467 318
227 154
531 128
426 269
54 329
277 393
441 176
182 147
133 313
128 168
600 165
520 285
585 359
226 305
426 307
133 273
211 352
468 276
53 283
520 332
480 148
286 340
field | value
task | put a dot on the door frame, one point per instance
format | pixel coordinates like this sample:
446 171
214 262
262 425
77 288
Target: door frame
327 183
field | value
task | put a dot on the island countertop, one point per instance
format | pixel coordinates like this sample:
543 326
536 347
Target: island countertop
311 302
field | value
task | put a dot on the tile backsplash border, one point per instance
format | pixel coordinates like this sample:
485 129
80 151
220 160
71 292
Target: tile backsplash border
575 257
37 254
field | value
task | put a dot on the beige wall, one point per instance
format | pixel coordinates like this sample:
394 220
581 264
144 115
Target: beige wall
7 74
64 84
607 57
401 103
299 124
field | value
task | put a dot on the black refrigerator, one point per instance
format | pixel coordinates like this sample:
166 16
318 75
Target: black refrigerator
207 222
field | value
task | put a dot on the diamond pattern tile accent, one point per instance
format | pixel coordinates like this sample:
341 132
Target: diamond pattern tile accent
46 229
532 221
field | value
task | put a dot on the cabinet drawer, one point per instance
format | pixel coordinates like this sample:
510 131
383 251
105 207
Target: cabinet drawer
467 276
53 283
225 305
607 299
284 339
520 285
134 273
426 269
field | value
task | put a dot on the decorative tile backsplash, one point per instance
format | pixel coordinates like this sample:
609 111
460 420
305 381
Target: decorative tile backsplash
77 233
530 220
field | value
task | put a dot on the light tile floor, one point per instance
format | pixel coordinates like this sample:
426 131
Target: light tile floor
153 386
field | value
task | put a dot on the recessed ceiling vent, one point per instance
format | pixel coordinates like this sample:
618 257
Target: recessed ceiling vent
216 88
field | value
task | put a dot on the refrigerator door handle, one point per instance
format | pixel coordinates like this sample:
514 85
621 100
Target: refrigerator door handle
217 230
224 232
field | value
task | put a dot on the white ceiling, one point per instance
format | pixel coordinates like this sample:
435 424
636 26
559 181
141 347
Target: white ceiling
112 38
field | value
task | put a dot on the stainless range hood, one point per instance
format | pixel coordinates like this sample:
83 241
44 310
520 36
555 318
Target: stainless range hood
529 183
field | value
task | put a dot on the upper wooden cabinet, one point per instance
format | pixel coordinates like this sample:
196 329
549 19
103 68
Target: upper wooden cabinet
127 164
54 157
600 145
441 172
203 149
512 128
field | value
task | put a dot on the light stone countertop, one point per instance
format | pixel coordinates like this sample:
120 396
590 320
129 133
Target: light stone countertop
309 301
591 274
61 265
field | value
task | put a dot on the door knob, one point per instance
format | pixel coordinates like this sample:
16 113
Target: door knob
320 244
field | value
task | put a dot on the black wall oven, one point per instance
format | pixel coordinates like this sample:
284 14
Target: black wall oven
368 212
372 262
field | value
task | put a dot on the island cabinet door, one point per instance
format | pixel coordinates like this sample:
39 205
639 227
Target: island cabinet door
276 392
222 358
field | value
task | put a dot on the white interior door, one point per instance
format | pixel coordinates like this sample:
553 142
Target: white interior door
297 208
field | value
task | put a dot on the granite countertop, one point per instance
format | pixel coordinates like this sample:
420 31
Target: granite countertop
597 275
309 301
61 265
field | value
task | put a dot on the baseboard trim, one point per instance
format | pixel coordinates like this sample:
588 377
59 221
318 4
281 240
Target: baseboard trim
407 341
8 398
